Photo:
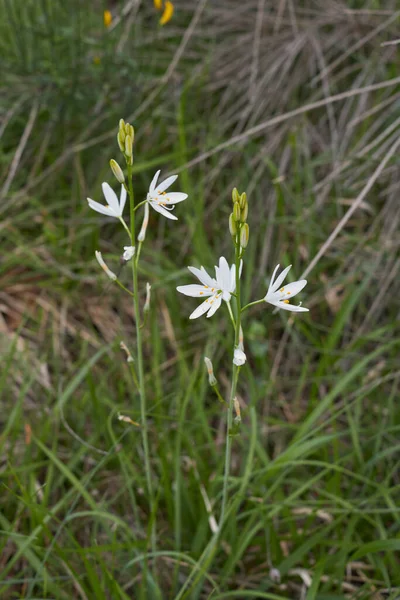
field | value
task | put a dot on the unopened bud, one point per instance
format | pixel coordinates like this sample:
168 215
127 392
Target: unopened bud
128 146
121 124
235 195
121 140
125 348
116 169
142 232
103 265
236 211
275 575
146 307
232 225
211 377
243 200
244 235
238 418
244 212
131 131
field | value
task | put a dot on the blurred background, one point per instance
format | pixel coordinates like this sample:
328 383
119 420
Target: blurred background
298 104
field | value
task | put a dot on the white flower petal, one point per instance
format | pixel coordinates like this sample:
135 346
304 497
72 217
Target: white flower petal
166 183
194 290
100 208
154 182
111 198
215 304
200 310
203 276
174 197
163 211
271 283
291 289
290 307
122 200
280 279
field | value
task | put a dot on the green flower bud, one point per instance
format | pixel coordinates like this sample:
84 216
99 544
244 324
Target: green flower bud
131 133
128 146
121 140
244 235
236 211
243 200
244 212
232 225
121 125
116 169
235 195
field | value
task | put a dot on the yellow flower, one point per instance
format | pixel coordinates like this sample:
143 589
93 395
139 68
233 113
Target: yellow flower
168 12
158 4
107 18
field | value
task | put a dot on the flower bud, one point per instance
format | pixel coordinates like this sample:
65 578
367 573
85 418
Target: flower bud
244 212
103 265
235 195
239 357
128 146
146 307
131 132
243 200
236 211
211 377
238 418
124 347
142 232
232 225
121 125
244 235
116 169
121 140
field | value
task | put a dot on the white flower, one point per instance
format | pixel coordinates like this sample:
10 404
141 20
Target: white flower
103 265
129 252
217 289
279 296
160 200
239 357
114 206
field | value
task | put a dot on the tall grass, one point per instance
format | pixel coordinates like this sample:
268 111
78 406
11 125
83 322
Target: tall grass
298 103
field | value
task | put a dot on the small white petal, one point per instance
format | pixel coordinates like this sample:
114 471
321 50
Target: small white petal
200 310
163 211
271 283
215 304
173 197
122 200
111 198
280 279
291 289
154 182
100 208
194 290
204 277
289 307
161 187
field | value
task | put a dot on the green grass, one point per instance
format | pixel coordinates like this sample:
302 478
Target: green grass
314 485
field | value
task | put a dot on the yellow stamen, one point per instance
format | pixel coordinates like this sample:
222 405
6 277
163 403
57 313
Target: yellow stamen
168 12
286 302
158 4
107 18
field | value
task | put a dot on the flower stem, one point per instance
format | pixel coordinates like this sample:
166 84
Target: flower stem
252 304
142 393
235 376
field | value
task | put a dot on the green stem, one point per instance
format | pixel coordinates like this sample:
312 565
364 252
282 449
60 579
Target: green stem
231 315
235 376
252 304
143 411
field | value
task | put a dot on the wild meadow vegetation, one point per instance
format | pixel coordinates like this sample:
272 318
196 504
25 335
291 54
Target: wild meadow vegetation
298 105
